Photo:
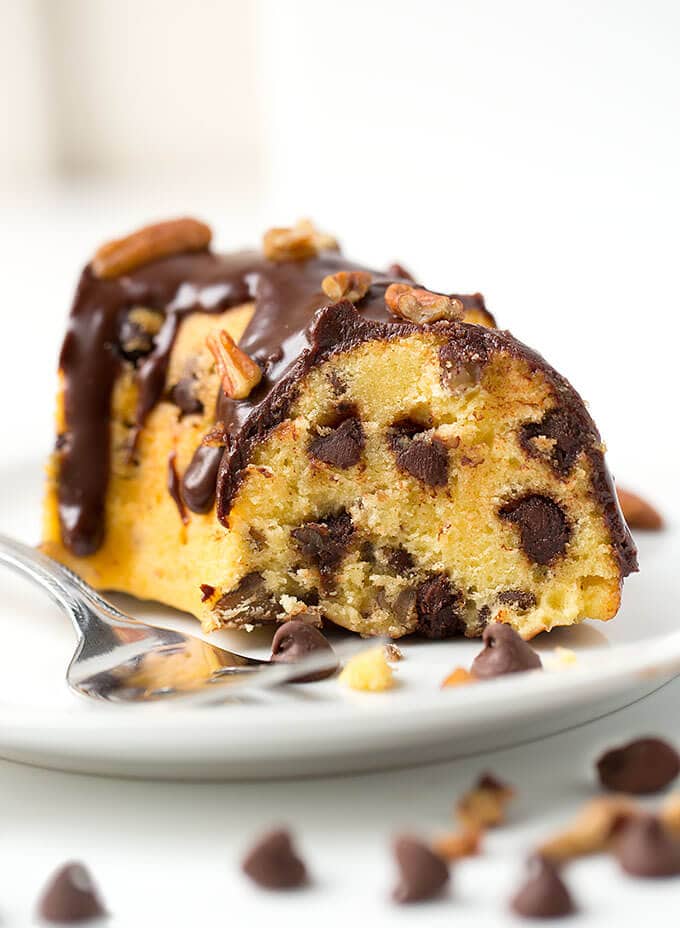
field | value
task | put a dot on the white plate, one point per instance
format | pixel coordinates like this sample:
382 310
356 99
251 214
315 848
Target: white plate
322 728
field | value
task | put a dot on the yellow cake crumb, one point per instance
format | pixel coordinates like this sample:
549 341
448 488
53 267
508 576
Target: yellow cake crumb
562 658
368 671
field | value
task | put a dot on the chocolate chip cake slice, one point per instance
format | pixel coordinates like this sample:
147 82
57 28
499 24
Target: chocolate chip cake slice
277 434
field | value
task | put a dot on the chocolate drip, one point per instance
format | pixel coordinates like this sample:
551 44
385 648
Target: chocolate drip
174 487
200 478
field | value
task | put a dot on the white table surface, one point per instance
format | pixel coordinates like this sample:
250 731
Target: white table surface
168 854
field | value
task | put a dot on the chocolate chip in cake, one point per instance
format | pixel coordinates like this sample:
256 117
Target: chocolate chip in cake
646 765
183 395
544 895
398 559
422 873
273 863
438 607
543 526
565 434
296 640
249 602
325 542
137 331
426 459
504 652
207 591
70 896
341 446
522 600
643 847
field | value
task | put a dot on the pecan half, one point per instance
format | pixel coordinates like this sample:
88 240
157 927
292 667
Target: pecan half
296 243
591 830
421 306
239 373
637 512
149 244
346 285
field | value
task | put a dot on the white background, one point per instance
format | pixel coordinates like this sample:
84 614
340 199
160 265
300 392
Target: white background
527 149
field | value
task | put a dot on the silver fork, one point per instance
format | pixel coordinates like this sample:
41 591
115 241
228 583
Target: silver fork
119 659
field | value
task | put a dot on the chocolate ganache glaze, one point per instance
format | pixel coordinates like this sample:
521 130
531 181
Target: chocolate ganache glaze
286 295
292 328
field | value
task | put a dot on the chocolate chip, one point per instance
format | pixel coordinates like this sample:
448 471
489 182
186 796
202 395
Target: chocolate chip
569 433
643 766
273 863
325 542
136 333
522 600
342 446
504 652
249 602
427 461
438 607
398 559
70 896
543 526
296 640
643 847
183 395
544 894
422 873
207 591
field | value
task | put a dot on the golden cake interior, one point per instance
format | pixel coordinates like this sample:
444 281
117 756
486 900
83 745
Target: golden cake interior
360 544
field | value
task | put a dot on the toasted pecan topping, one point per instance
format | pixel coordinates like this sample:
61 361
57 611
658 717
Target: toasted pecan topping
421 306
296 243
149 244
239 373
215 437
592 829
637 512
346 285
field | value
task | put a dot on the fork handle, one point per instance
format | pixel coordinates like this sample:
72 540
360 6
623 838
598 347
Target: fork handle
40 569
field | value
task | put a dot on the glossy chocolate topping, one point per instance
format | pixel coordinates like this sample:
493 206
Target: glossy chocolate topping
292 329
286 295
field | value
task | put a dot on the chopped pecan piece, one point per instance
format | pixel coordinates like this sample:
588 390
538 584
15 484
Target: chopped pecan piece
346 285
484 805
215 437
459 677
457 844
421 306
296 243
393 653
592 829
239 373
161 240
670 813
637 512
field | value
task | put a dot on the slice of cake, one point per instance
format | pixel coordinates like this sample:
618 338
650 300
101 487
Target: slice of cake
277 434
